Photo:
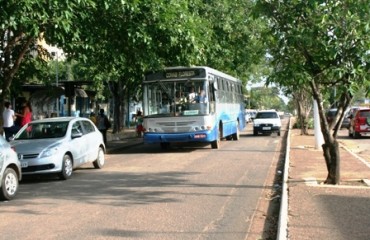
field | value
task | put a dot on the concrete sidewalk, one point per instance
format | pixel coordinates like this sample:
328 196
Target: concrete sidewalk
124 139
318 211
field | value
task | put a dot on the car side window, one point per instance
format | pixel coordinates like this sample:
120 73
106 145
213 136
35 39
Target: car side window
77 128
88 127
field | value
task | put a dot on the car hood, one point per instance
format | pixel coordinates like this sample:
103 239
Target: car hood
34 145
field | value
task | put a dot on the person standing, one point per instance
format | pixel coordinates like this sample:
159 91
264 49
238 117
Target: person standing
103 124
26 115
8 121
139 125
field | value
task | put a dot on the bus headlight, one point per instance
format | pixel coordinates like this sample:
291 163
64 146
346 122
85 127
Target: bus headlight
202 128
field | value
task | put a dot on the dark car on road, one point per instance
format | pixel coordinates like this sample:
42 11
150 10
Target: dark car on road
331 113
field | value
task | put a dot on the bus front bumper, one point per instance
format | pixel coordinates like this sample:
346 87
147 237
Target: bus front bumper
179 137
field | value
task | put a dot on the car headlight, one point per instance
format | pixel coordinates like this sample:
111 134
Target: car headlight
256 125
49 151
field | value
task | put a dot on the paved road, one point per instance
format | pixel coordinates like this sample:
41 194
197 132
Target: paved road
358 146
188 192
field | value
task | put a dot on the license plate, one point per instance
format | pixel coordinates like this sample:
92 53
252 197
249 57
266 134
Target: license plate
266 128
24 164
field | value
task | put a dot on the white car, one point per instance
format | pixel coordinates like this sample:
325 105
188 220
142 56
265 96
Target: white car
266 121
10 171
59 145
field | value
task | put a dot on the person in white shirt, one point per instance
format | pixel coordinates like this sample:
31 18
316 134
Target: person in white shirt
8 121
192 96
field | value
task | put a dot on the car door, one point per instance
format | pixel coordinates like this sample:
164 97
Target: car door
78 144
92 141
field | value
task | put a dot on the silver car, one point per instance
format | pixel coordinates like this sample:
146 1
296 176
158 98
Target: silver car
59 145
10 171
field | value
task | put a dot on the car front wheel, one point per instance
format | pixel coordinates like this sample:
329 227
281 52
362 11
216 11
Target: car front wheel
67 168
9 184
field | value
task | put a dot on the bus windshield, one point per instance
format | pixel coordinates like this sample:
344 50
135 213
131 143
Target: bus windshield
176 98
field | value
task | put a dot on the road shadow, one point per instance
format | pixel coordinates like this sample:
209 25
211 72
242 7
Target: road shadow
121 189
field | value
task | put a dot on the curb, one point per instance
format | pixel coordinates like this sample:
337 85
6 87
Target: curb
283 216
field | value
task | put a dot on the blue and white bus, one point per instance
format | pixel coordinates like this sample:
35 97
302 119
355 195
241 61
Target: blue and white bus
192 104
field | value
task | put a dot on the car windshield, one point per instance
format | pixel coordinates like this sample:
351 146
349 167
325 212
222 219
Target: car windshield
267 115
43 130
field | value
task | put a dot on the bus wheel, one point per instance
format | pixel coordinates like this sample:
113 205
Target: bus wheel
216 144
236 135
165 145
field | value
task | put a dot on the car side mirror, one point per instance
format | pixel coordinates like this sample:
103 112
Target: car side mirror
76 135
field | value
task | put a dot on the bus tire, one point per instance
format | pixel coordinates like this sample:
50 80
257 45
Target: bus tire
236 135
216 144
165 145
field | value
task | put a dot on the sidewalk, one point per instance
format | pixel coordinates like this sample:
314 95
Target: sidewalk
126 138
318 211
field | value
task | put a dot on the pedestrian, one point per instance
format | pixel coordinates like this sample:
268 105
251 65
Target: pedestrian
26 115
139 125
93 117
103 124
8 121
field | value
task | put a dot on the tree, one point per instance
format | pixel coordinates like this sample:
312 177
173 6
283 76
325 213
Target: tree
132 38
321 45
303 102
129 38
267 98
118 41
25 23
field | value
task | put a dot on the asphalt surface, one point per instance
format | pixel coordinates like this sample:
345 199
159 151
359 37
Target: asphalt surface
314 210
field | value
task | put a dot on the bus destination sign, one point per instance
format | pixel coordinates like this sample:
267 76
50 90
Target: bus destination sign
181 74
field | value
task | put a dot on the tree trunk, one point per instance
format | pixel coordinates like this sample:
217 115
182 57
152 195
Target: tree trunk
332 159
331 146
114 88
302 118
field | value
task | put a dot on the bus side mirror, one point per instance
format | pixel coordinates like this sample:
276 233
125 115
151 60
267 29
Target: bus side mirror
215 85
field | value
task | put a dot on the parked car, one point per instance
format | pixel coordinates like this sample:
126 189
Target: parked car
266 121
10 171
59 145
360 123
331 113
346 120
